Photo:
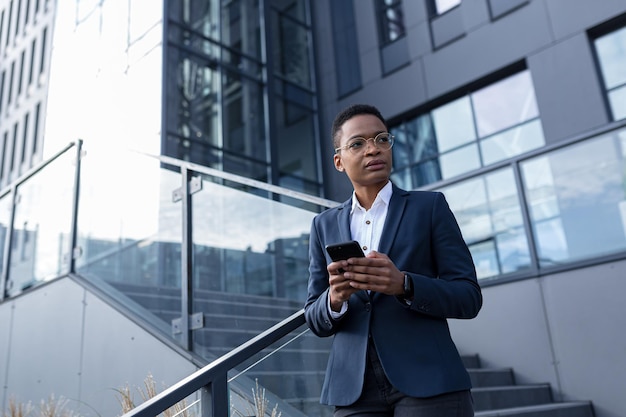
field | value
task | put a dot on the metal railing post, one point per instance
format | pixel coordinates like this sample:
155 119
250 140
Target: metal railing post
8 242
214 398
186 253
74 249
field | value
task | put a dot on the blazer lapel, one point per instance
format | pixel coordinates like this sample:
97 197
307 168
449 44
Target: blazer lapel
395 211
343 221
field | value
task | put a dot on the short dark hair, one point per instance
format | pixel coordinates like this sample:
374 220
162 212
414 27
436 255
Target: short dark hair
349 113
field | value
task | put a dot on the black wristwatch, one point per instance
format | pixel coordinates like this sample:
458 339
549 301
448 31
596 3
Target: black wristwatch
408 287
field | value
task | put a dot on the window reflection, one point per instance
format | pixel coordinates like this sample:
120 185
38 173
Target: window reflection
236 253
611 51
504 104
489 125
217 102
577 200
291 55
454 124
5 219
459 161
490 216
617 100
442 6
511 142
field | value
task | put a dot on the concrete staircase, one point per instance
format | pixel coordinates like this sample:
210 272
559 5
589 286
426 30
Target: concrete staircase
232 319
496 394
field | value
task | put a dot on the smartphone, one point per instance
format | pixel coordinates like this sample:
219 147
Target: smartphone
344 250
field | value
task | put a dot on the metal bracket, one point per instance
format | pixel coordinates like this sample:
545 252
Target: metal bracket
195 185
196 321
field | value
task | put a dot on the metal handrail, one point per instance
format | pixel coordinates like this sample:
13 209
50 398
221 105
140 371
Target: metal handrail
211 380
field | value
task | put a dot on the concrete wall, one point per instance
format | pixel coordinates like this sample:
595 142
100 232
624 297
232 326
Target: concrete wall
565 329
62 340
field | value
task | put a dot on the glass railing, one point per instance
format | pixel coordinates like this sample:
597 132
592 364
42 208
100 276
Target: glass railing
294 367
36 224
229 387
206 258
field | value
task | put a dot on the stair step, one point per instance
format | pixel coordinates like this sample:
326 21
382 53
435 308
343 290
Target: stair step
232 319
491 377
493 398
567 409
471 361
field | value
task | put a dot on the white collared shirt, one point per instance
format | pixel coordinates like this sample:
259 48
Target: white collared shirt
366 227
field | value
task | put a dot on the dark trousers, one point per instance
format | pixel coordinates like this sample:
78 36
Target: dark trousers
380 399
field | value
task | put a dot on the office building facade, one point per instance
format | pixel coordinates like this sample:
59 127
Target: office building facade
515 111
25 32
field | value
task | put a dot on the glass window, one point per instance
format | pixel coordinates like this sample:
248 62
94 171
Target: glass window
442 6
585 181
491 124
611 51
6 203
390 20
459 161
503 104
490 217
2 77
293 98
3 155
454 124
617 101
290 41
511 142
346 46
414 140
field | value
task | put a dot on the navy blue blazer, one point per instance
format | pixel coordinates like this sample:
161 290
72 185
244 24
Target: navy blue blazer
422 237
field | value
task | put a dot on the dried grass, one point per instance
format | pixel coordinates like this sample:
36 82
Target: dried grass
261 404
52 407
149 390
17 409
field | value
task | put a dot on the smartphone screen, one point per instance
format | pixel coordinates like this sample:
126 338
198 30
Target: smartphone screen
344 250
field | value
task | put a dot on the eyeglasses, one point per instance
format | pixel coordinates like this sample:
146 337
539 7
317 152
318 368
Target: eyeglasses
383 141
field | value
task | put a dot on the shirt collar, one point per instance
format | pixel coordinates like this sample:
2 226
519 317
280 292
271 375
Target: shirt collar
384 195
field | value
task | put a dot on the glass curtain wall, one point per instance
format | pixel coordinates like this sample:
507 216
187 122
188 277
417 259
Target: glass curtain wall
292 96
240 89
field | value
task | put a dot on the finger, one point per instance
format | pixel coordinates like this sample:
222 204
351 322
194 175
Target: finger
336 267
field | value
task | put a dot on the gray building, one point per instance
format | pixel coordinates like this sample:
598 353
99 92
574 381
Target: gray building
515 110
